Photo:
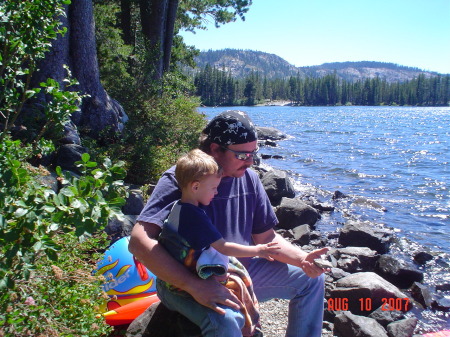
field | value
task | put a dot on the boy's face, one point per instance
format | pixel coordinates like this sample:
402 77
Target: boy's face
206 188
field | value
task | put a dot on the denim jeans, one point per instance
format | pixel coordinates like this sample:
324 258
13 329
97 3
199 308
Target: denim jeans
270 280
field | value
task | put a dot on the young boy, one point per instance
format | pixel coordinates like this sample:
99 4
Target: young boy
188 232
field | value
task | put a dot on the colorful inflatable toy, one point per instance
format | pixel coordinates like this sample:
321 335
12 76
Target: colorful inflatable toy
129 285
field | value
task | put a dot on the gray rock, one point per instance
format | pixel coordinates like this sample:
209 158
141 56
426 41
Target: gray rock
67 155
385 317
360 234
302 234
402 328
347 324
71 135
134 203
277 185
119 228
423 257
269 133
358 287
442 303
294 212
353 259
421 294
398 272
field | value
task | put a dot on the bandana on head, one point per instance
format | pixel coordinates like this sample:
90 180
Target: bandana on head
231 127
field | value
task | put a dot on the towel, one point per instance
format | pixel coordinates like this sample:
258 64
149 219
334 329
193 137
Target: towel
212 263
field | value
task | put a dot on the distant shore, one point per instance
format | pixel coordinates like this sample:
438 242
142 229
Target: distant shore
275 103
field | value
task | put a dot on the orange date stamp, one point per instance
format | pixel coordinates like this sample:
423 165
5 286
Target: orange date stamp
366 304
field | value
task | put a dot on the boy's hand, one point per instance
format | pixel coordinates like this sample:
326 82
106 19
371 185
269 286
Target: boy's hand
267 250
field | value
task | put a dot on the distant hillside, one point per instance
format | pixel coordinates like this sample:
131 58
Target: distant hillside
241 62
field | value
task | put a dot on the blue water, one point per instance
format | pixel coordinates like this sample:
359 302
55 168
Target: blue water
397 157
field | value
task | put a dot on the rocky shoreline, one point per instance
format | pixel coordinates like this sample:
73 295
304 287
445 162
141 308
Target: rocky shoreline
378 284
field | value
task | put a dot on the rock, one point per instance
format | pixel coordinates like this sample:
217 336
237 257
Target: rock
118 228
337 273
49 179
353 259
277 185
367 286
269 133
134 203
339 195
422 257
347 324
442 303
443 287
364 202
360 234
385 317
158 321
294 212
402 328
398 272
421 294
71 135
67 155
302 234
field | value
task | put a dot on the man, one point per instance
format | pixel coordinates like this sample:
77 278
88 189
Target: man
242 213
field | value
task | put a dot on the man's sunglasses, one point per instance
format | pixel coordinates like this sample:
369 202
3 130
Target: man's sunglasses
241 155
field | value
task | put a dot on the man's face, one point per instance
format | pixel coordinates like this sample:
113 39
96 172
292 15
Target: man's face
233 167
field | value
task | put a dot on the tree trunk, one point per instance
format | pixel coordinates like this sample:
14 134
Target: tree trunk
153 21
125 22
169 32
100 116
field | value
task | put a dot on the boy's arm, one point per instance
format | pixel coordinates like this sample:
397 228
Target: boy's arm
234 249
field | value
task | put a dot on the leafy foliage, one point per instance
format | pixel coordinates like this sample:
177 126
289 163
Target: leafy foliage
61 298
24 40
33 213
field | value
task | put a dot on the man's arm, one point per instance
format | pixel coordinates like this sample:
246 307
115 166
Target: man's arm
288 253
265 250
145 246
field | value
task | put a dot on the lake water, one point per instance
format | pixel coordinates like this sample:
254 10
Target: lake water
397 157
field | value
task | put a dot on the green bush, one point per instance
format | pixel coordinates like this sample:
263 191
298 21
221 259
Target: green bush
160 131
24 40
60 298
32 213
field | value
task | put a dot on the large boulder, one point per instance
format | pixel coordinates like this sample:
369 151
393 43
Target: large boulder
398 272
277 185
294 212
361 234
366 291
347 324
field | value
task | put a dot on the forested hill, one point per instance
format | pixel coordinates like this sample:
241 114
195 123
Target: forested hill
241 63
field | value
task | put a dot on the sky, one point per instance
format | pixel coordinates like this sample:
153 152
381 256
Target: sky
413 33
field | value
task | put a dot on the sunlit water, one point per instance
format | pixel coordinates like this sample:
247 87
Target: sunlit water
397 157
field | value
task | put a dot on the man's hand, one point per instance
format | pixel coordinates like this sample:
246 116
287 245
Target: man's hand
268 250
211 293
308 265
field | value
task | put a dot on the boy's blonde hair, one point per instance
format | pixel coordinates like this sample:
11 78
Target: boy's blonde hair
193 166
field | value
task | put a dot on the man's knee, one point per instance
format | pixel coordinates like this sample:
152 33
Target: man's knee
230 324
